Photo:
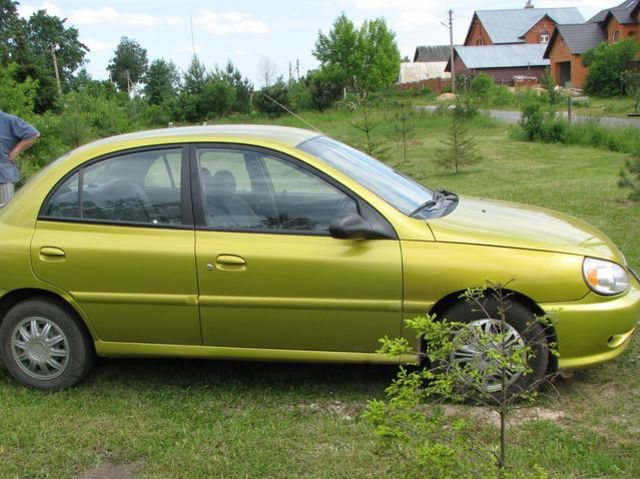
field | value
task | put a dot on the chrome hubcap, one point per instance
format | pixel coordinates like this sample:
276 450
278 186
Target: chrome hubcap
40 348
480 337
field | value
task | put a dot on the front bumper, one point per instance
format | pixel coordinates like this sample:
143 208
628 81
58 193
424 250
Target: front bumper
596 328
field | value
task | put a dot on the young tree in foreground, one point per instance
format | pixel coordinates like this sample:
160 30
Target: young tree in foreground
494 354
459 148
630 176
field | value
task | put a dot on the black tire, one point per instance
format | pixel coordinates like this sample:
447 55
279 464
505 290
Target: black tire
57 360
523 320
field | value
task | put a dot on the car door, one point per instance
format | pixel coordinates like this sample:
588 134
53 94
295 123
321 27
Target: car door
117 235
270 276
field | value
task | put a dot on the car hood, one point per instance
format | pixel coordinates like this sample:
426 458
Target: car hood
513 225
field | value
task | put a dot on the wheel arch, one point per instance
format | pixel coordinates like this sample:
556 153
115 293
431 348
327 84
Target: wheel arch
443 304
17 296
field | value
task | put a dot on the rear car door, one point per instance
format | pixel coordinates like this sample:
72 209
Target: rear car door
117 235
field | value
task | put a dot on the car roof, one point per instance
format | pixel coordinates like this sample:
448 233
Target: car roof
281 134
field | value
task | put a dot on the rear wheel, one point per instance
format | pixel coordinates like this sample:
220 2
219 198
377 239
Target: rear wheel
520 333
44 346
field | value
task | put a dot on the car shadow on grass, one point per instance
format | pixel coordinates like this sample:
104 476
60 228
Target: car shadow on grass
312 378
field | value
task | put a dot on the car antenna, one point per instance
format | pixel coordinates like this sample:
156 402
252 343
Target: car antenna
293 114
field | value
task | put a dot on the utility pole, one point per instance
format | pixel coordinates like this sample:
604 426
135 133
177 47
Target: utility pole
453 65
55 68
298 69
451 55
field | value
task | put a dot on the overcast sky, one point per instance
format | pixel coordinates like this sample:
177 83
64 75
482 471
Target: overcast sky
245 31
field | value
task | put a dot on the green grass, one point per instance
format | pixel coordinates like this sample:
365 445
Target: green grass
196 419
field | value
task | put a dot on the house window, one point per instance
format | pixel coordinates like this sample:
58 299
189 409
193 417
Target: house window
615 36
544 36
479 42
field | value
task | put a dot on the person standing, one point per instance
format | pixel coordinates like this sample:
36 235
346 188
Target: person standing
16 135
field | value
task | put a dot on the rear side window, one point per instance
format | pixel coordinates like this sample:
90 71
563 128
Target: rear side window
140 187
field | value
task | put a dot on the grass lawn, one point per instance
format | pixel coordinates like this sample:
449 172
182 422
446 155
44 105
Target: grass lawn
194 419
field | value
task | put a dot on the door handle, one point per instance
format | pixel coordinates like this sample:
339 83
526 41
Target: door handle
230 260
52 251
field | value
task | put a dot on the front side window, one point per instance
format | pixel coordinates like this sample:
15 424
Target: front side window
140 187
544 37
255 191
399 191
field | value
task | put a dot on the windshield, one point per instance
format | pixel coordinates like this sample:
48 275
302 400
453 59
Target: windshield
403 193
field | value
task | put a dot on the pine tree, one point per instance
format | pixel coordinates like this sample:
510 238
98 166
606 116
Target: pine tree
630 176
459 148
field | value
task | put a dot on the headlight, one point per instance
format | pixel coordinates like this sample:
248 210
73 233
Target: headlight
604 277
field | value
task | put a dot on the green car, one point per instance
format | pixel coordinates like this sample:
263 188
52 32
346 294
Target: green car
271 243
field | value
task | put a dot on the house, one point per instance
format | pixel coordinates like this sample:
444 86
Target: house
518 26
565 50
569 42
430 61
504 63
619 22
427 69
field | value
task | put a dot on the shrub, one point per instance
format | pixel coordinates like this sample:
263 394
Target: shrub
323 89
630 175
265 100
482 86
502 96
606 64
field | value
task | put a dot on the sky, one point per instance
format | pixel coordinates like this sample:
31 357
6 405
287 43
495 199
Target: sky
252 32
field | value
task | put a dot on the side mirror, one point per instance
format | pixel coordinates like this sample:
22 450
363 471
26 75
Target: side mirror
353 226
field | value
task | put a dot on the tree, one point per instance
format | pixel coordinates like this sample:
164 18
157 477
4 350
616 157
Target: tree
268 71
47 33
29 44
459 148
128 65
12 32
216 99
379 55
364 59
162 81
17 98
630 176
278 92
487 350
323 89
404 127
606 64
195 76
631 79
242 86
337 52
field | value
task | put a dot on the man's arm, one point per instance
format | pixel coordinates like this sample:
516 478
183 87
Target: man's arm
21 146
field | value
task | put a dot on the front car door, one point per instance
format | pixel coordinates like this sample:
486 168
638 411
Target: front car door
270 275
117 235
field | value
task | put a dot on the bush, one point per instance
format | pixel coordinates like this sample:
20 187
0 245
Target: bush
482 86
265 100
630 176
607 64
300 96
502 96
324 89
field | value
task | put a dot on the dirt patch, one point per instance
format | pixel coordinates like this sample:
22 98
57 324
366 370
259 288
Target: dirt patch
344 411
515 418
108 470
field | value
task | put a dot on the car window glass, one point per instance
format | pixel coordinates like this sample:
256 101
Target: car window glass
279 196
121 189
165 171
213 160
65 203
